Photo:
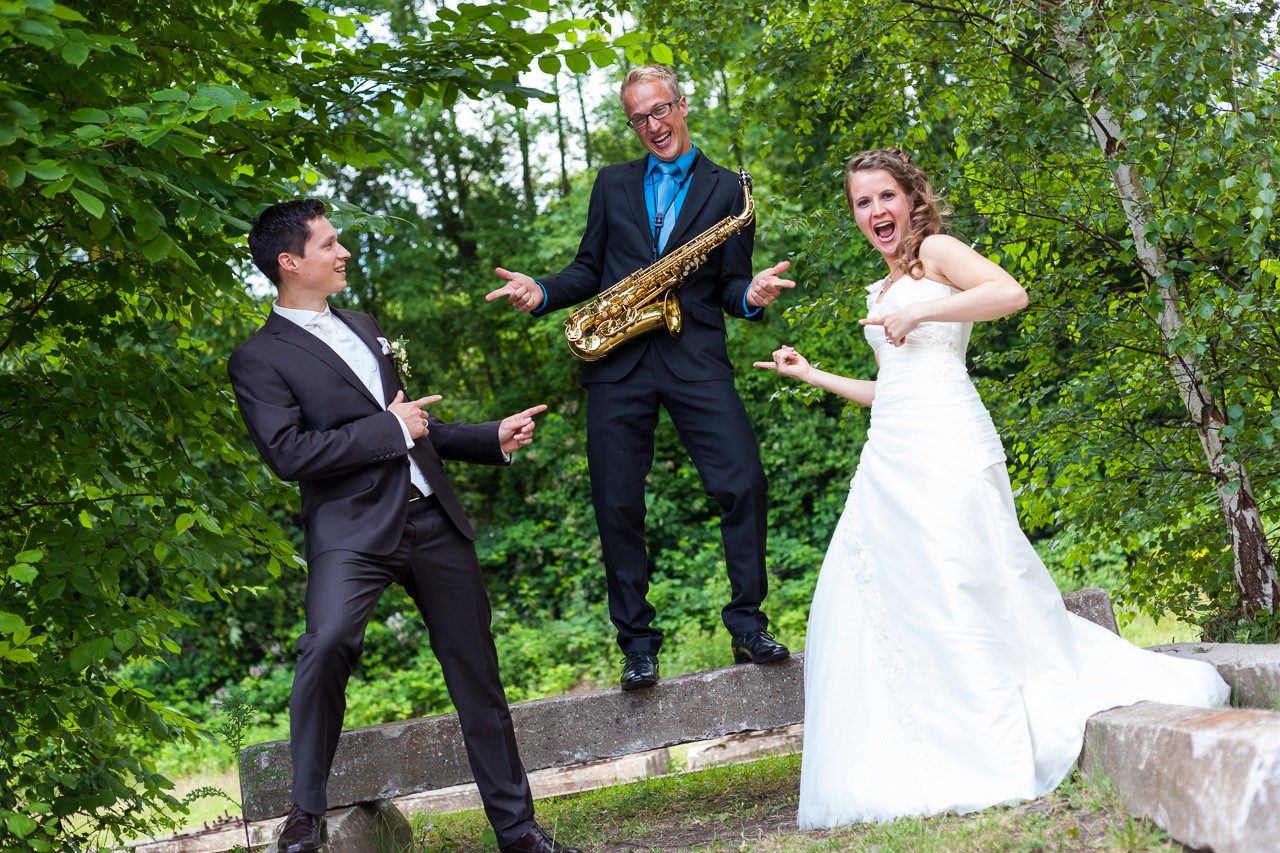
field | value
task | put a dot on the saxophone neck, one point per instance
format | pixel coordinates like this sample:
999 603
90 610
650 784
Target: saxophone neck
748 203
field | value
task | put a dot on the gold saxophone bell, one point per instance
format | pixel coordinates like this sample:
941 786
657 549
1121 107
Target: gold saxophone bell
647 298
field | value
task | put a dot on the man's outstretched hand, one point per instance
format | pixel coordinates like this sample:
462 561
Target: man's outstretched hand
516 431
521 291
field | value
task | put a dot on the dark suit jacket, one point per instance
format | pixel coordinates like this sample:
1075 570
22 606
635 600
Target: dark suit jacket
314 421
618 240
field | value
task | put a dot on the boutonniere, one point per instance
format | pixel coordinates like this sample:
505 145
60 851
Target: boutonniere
396 350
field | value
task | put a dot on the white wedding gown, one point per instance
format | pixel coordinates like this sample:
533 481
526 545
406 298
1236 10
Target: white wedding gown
942 671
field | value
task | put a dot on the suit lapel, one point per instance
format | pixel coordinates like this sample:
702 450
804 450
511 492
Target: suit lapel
705 178
635 198
290 332
367 332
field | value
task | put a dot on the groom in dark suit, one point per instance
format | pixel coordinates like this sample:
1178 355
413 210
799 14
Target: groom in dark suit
321 397
640 211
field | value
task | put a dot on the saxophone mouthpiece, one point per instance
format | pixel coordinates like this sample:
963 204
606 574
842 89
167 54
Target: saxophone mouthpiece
744 177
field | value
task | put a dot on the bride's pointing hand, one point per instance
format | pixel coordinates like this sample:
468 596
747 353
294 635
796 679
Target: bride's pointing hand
787 362
896 324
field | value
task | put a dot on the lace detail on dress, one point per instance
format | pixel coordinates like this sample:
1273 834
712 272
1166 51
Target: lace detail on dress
936 336
887 648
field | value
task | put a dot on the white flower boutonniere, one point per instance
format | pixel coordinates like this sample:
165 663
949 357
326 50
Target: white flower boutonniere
399 355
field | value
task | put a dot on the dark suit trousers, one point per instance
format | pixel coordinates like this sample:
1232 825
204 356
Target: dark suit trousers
713 424
437 566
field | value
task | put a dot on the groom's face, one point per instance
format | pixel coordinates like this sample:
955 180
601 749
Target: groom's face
321 269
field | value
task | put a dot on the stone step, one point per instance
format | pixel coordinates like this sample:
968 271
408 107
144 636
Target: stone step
1253 671
1208 777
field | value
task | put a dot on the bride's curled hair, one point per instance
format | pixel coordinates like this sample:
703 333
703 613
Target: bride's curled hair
927 209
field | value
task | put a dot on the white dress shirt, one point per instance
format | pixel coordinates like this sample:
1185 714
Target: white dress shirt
347 344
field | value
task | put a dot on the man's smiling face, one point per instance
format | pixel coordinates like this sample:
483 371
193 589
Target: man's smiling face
666 138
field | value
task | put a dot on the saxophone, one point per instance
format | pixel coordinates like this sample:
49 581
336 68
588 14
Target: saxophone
647 298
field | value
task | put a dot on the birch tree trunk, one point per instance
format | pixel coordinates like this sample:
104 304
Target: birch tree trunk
1253 563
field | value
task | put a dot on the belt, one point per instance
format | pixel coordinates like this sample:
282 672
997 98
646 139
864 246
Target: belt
418 500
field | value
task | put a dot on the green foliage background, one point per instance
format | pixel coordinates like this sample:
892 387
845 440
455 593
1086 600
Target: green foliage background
147 564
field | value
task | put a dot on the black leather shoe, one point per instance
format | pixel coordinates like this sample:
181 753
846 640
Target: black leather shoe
758 647
536 840
301 833
639 669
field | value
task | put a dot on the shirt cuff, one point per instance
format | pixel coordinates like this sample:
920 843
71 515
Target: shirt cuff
541 309
404 428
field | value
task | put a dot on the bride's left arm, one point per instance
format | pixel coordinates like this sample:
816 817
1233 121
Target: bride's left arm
987 292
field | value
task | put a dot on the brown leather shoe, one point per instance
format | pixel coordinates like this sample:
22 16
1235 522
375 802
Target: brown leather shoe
301 832
536 840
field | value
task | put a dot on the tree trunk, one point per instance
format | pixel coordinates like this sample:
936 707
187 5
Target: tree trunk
586 126
562 141
1253 566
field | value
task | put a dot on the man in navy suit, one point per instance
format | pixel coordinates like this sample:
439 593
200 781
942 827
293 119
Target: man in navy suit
639 211
324 404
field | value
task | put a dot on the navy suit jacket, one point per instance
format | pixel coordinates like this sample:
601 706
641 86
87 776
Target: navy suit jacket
618 240
315 422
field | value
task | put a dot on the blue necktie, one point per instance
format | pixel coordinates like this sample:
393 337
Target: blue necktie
665 189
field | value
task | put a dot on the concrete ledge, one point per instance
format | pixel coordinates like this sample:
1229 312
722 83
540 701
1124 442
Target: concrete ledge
1208 777
1252 671
398 759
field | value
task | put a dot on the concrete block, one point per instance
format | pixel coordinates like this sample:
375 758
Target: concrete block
409 757
1093 604
744 746
1253 671
1208 777
377 827
551 782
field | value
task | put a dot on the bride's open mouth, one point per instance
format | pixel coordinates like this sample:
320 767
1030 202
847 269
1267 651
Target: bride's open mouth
885 232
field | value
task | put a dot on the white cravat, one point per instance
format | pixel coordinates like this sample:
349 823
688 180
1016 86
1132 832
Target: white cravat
347 344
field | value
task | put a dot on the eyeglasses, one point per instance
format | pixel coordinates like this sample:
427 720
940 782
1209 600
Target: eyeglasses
660 112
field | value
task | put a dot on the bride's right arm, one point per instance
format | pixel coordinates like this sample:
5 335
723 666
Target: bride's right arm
790 363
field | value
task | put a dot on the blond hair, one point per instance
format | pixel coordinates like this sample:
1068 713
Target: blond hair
646 73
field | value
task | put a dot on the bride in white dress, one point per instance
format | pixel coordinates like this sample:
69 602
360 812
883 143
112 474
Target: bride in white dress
942 671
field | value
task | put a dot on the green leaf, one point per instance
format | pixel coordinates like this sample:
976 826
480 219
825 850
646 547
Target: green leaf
13 173
223 96
184 522
23 572
90 115
92 204
158 249
75 52
661 53
10 623
20 825
90 653
124 639
549 63
46 171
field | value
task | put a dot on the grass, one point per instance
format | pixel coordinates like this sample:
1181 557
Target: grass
752 807
1141 630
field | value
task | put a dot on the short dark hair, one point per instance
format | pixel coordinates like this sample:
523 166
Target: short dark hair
283 227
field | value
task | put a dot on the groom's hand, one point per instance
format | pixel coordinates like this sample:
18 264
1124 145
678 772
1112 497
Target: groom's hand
413 412
516 431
